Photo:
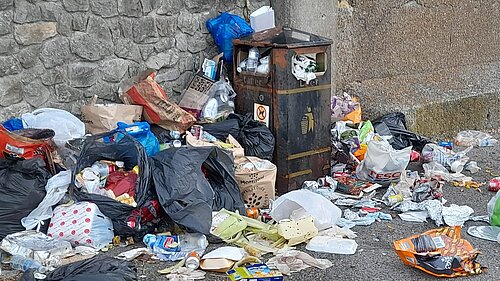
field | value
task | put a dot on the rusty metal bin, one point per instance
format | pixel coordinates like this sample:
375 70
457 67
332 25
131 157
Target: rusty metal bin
297 113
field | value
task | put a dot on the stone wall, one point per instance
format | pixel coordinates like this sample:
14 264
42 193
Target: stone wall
60 53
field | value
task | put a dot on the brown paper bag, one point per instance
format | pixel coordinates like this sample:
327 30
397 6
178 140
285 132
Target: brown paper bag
143 90
100 118
257 186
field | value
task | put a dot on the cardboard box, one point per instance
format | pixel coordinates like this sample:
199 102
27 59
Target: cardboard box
196 95
262 19
254 272
257 186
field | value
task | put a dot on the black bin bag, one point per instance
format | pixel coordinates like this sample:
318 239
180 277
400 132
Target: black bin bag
132 153
394 124
191 182
22 188
98 268
254 136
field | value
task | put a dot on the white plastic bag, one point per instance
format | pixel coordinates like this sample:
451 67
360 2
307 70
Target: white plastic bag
332 245
56 187
474 138
494 217
383 164
64 124
301 203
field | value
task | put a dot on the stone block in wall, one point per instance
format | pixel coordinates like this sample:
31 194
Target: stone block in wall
5 22
179 85
131 8
51 11
103 90
91 47
136 68
127 49
126 26
79 22
168 74
13 110
150 5
114 70
65 93
104 8
170 7
26 12
197 42
146 51
188 23
35 93
186 62
164 44
52 77
34 33
12 91
29 56
167 25
9 66
76 5
4 4
82 74
144 30
55 52
166 59
32 73
8 46
181 41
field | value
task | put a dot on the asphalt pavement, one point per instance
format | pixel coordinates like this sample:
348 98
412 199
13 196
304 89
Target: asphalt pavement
375 259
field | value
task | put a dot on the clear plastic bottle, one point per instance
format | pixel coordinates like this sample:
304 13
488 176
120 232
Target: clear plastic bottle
175 247
25 264
253 59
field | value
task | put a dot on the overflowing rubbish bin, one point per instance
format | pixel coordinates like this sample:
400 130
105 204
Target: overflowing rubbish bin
282 75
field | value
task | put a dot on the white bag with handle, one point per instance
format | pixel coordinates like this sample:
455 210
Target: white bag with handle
64 124
383 164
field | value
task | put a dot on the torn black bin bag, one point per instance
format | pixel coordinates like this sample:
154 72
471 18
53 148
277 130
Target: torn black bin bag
22 188
394 124
254 136
98 268
132 153
191 182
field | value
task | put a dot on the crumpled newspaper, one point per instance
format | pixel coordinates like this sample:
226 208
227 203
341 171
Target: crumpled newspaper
457 215
433 207
289 261
186 274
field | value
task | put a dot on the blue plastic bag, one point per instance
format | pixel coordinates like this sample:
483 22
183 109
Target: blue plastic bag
224 29
13 124
141 131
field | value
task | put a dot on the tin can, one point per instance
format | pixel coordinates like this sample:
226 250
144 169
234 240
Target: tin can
193 260
394 199
253 213
197 131
494 185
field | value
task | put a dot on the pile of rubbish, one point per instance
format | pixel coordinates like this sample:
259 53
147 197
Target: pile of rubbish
175 177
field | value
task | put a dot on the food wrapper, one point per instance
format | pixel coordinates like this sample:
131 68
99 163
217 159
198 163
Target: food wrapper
439 252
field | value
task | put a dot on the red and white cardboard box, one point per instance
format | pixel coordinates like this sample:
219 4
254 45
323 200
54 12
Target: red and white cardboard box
81 224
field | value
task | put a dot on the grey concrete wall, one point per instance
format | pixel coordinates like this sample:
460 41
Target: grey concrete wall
316 16
384 38
59 53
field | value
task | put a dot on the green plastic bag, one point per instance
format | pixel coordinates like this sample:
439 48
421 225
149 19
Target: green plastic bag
494 210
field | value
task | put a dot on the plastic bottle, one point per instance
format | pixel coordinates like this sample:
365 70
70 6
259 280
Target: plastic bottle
175 247
25 264
253 59
193 260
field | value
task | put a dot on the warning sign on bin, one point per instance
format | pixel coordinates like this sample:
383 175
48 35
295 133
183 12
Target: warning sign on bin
261 113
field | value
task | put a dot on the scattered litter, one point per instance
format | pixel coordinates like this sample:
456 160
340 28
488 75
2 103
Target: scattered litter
474 138
433 207
494 184
302 203
254 271
414 216
130 255
332 245
360 218
230 253
439 252
175 247
289 261
490 233
493 209
184 273
456 215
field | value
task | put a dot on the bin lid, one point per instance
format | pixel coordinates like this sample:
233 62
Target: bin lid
283 37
